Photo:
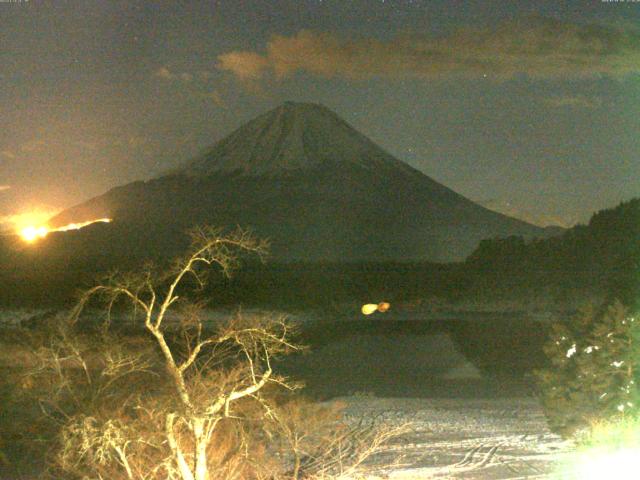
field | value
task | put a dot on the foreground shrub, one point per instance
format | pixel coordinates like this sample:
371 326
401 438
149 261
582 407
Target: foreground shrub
593 369
617 433
609 449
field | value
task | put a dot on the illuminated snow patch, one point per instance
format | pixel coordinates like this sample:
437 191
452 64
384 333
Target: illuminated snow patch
620 465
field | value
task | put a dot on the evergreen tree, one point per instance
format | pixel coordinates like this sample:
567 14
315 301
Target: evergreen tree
593 369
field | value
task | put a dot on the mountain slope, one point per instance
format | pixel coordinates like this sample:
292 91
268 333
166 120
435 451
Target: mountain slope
313 185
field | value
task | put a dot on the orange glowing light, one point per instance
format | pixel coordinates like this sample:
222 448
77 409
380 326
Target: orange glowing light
383 307
32 233
369 308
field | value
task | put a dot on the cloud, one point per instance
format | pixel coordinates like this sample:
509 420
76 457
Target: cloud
216 98
138 141
580 101
33 146
247 65
539 47
166 74
4 187
83 144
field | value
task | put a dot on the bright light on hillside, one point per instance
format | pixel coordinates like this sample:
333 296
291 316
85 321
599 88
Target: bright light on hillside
31 233
78 226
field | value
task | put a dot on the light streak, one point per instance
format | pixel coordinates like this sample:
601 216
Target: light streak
78 226
33 233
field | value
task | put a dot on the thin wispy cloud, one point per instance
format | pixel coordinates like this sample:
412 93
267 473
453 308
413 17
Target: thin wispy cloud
251 65
539 47
216 98
85 145
166 74
33 146
573 101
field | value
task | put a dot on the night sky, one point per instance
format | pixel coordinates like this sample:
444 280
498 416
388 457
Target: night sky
529 107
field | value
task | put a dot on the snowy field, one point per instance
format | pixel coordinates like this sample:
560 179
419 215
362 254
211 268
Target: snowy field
492 439
470 420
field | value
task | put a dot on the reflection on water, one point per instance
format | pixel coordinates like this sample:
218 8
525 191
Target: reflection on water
425 358
454 355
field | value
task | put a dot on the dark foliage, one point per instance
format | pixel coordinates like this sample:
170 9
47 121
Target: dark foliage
603 256
593 370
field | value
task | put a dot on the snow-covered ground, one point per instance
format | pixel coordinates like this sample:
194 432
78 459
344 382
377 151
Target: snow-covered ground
466 423
492 439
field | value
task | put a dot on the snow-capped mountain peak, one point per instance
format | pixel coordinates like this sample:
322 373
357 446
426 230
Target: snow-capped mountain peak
292 137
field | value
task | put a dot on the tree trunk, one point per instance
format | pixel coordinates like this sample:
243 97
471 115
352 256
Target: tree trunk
183 466
296 466
202 469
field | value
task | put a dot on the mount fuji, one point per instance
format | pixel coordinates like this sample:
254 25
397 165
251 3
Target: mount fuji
305 179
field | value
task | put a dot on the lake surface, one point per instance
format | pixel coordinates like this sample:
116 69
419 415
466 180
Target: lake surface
471 356
451 354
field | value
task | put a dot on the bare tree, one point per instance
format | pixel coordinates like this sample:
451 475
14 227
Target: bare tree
323 446
200 408
211 410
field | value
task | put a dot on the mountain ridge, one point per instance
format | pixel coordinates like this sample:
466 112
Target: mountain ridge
319 189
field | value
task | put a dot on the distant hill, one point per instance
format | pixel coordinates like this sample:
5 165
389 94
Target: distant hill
604 254
318 189
593 262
